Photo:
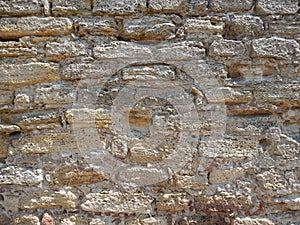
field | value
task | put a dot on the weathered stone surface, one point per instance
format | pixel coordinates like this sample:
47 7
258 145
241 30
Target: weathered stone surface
235 97
48 219
168 6
12 48
27 220
222 175
274 47
97 26
67 7
3 147
20 8
194 182
277 6
288 26
228 5
172 202
19 27
252 221
148 221
118 7
117 202
148 28
272 180
30 73
57 51
244 26
5 219
20 176
48 199
77 176
226 48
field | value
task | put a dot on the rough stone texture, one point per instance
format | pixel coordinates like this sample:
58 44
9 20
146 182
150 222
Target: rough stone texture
11 28
165 112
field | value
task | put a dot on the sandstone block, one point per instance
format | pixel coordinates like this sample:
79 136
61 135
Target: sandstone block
67 7
277 7
172 202
48 199
168 6
20 176
226 48
27 220
20 8
220 175
194 182
12 48
97 26
252 221
118 7
57 51
30 73
117 202
9 128
49 26
148 28
279 48
232 96
231 5
244 26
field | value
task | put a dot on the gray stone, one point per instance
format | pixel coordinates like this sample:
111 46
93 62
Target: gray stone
252 221
118 7
168 6
97 26
277 6
12 48
20 8
20 176
67 7
230 5
226 48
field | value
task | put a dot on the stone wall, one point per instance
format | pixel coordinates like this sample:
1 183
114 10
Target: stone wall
144 112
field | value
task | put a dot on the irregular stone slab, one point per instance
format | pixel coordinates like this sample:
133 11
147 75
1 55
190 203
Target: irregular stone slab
12 48
172 202
218 176
168 6
276 7
48 199
20 8
97 26
73 7
148 28
117 202
244 26
231 5
118 7
252 221
9 128
194 182
56 51
49 26
20 176
30 73
27 219
279 48
226 48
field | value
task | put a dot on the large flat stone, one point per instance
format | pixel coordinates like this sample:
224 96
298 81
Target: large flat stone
20 8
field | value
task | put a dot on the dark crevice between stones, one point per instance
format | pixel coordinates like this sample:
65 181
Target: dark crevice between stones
9 39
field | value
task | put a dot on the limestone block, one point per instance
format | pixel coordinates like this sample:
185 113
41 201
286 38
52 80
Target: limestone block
27 220
97 26
30 73
277 7
202 28
48 199
231 5
148 28
117 202
20 176
221 175
118 7
56 51
67 7
279 48
148 221
12 48
49 26
226 48
9 128
194 182
168 6
20 8
172 202
252 221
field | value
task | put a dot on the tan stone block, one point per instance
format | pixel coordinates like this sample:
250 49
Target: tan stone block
231 5
226 48
221 175
20 176
172 202
168 6
20 8
117 7
12 48
27 220
73 7
97 26
252 221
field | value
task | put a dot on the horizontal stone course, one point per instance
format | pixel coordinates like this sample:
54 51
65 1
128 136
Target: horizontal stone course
20 8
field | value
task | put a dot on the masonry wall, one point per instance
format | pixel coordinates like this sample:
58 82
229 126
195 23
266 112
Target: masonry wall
149 112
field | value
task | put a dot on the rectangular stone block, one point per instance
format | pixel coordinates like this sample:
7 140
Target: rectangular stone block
97 26
20 176
277 6
226 48
218 176
20 8
252 221
172 202
117 202
279 48
168 6
48 199
194 182
57 51
118 7
17 27
12 48
231 5
70 7
148 28
31 73
288 26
